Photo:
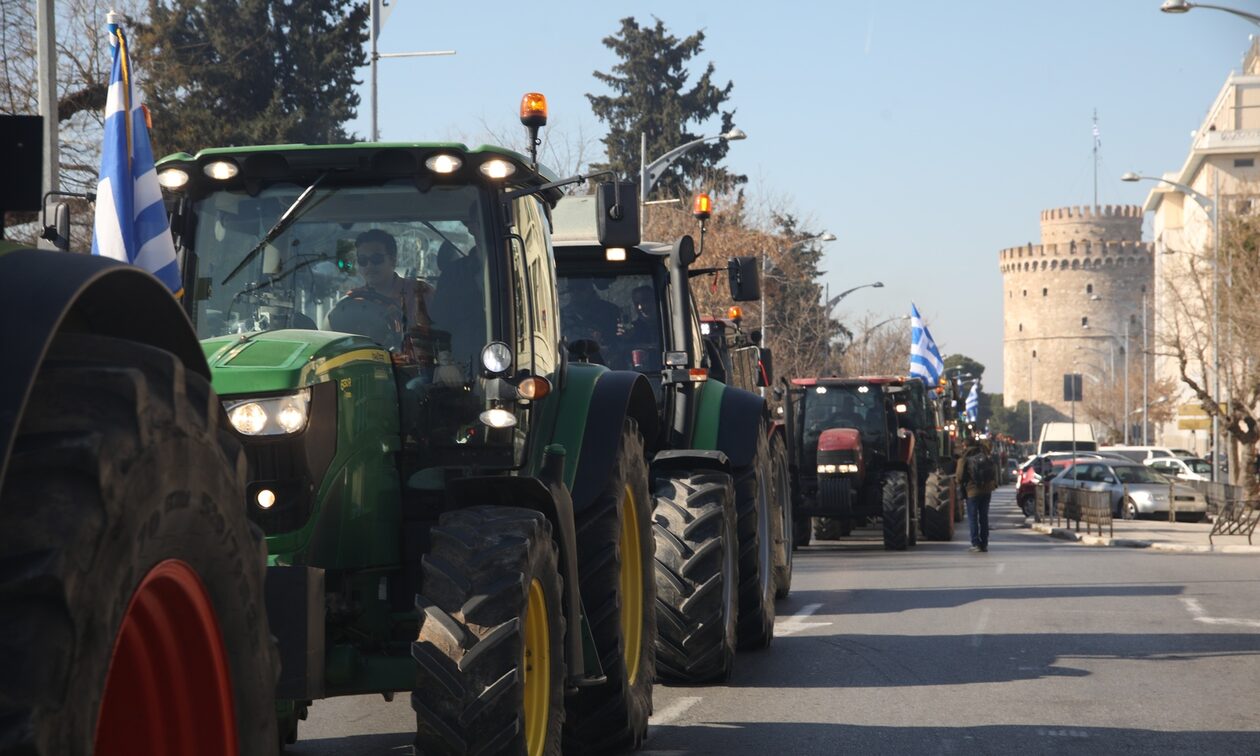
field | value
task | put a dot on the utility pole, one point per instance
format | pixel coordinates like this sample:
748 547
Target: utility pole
1146 397
378 14
46 46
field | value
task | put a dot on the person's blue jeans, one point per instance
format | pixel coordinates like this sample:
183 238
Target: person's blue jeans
978 519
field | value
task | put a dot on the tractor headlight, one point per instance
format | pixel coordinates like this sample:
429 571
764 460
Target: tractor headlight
270 416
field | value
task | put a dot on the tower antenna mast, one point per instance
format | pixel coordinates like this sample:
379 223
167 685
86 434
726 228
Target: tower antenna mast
1097 143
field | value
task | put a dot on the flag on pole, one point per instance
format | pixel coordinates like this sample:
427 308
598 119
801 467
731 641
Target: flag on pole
973 402
925 358
131 224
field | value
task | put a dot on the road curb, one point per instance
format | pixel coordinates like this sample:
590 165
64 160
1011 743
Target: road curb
1067 534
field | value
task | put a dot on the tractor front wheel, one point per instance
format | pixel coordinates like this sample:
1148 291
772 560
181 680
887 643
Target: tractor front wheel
489 653
782 518
894 488
754 488
697 574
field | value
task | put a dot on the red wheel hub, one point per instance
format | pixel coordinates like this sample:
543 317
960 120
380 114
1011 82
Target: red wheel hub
169 689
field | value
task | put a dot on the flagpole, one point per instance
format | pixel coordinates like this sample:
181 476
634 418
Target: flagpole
1095 157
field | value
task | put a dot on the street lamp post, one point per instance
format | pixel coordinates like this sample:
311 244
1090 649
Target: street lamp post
1212 209
1181 6
831 303
1032 361
650 173
866 337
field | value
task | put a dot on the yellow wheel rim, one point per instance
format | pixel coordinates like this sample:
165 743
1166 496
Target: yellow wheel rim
537 670
631 585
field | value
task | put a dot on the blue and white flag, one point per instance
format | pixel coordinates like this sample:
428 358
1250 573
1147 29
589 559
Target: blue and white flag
131 224
973 402
925 358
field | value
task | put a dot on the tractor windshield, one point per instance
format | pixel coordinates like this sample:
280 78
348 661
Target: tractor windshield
387 261
824 407
620 314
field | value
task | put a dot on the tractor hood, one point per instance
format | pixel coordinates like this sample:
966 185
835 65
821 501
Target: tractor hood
271 361
838 439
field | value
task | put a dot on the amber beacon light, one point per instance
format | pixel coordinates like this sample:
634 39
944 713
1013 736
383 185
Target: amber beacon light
534 110
703 207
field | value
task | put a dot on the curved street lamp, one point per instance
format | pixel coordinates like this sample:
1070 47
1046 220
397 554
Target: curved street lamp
825 236
650 173
1212 209
1181 6
831 303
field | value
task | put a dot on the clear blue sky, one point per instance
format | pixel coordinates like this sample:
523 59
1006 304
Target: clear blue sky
926 135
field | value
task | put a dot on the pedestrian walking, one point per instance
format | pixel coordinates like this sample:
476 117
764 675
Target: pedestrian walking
977 475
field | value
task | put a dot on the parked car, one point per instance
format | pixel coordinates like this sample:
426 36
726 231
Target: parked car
1191 468
1140 453
1035 468
1060 437
1135 489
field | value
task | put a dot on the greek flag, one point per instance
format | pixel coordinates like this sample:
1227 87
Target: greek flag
973 402
925 358
131 223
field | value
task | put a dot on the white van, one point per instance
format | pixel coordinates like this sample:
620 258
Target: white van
1141 453
1057 437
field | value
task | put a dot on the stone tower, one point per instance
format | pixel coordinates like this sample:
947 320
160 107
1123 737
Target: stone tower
1091 269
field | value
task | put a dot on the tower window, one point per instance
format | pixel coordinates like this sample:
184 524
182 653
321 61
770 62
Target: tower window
1244 162
1045 292
1034 354
1025 292
1089 288
1085 320
1021 327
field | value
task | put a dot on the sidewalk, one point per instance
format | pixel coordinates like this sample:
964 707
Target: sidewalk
1157 535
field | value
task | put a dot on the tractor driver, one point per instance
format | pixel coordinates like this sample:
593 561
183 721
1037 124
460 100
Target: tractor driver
387 305
588 316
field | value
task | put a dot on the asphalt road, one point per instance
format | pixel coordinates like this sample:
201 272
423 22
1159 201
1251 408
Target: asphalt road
1038 646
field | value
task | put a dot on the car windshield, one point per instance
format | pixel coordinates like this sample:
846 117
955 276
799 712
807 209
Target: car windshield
1198 465
1137 474
386 261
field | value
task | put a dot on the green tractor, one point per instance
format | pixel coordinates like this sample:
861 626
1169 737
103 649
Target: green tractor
716 497
452 508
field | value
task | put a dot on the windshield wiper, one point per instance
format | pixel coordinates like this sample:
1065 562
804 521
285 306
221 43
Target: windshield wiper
286 219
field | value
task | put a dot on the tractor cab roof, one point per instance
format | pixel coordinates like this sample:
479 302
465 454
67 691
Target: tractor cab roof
860 380
574 224
362 161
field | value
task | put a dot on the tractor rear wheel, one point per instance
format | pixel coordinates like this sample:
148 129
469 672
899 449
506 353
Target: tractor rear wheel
133 583
832 528
617 567
938 513
754 487
802 531
894 488
782 518
697 575
490 668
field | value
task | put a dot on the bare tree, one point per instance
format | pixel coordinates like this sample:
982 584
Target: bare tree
1188 338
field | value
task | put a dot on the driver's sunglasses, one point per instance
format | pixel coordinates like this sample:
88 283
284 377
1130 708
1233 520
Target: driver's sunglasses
373 259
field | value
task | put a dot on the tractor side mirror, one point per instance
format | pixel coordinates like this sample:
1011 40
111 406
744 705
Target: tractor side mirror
617 206
745 279
58 232
755 336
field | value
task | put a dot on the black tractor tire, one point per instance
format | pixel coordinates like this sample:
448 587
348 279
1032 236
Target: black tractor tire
614 715
894 492
754 490
782 518
471 646
697 576
832 528
802 531
123 481
938 516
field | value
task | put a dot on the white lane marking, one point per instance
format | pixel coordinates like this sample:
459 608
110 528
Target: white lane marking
1001 567
978 636
796 623
1198 613
674 710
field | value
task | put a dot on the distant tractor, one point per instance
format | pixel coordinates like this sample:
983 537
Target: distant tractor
453 509
853 456
716 496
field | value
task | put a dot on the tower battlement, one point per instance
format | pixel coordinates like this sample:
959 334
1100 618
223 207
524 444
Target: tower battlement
1074 255
1091 223
1094 211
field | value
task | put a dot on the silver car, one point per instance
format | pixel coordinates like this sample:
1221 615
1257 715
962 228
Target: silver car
1135 489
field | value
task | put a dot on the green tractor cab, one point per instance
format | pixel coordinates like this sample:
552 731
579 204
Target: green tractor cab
716 495
432 474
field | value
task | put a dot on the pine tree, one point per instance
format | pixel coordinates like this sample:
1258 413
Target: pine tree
651 96
236 72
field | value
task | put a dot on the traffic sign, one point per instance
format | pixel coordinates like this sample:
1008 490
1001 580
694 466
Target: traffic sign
1195 409
1194 423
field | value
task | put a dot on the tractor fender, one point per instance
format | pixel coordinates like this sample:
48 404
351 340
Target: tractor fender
43 293
740 418
617 395
670 460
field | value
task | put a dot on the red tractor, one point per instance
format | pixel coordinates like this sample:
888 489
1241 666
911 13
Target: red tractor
853 456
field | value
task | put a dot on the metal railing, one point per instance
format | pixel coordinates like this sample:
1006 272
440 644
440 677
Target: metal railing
1218 495
1070 504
